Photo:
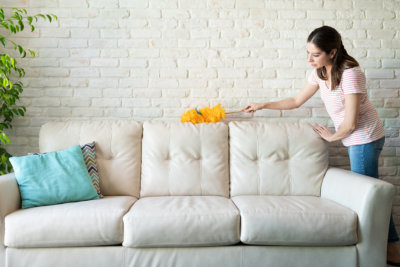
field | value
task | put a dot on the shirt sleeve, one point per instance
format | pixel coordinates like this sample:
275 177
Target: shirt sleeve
353 81
312 78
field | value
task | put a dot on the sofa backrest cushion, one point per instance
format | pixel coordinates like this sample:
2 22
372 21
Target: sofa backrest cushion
184 159
276 159
118 150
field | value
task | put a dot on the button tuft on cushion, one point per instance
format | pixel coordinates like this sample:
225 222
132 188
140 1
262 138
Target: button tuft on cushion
253 158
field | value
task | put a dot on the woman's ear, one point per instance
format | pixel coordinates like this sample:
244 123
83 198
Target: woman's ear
332 53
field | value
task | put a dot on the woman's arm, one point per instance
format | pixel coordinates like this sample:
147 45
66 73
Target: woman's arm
351 112
290 103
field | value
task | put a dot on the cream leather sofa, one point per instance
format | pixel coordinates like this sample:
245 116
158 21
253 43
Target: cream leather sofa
237 194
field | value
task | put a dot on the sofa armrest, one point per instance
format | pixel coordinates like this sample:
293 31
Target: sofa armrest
10 201
372 200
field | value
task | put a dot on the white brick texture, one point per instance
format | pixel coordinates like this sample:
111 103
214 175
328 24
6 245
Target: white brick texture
152 59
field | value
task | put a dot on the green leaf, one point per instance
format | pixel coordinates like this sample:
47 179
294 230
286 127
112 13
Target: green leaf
17 16
21 25
4 60
49 17
15 45
21 72
4 138
5 24
3 41
32 53
12 28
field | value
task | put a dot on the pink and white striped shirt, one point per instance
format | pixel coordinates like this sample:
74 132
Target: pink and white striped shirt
369 126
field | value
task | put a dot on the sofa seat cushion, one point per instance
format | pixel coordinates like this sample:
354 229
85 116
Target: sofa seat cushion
295 220
178 221
86 223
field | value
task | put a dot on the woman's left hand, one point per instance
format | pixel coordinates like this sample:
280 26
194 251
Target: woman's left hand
323 132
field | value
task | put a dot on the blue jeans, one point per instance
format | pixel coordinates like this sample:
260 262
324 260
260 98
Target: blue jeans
364 160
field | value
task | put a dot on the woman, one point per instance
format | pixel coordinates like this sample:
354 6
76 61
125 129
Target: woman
342 87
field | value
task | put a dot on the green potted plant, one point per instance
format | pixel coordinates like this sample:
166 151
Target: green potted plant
10 75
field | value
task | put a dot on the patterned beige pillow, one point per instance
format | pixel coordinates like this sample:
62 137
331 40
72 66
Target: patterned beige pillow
89 156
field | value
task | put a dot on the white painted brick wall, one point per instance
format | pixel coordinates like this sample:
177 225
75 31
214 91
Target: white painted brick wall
150 59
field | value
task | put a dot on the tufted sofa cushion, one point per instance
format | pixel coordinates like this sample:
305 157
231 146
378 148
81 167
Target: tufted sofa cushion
276 159
184 159
118 150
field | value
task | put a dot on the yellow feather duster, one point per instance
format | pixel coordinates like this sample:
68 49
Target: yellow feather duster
207 114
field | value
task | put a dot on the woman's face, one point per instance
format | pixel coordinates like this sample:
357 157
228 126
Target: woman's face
317 57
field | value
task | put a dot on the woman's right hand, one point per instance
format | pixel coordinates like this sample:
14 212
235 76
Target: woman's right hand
253 107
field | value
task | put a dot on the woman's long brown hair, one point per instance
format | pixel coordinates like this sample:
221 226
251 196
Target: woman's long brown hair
327 38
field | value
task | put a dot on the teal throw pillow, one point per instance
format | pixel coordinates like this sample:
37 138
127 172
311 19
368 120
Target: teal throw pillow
53 178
